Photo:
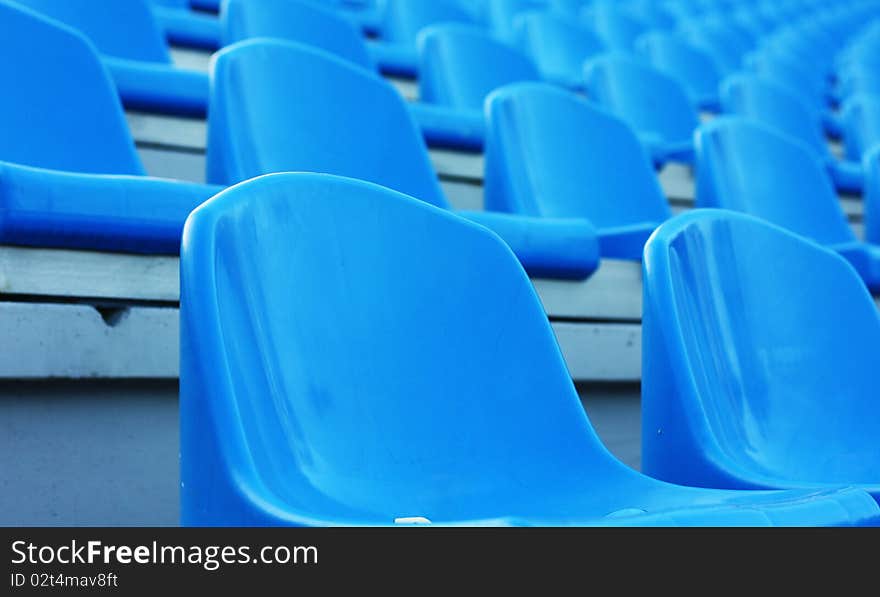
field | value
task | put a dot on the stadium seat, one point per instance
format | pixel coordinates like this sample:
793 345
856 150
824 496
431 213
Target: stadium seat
652 103
724 46
615 26
552 154
184 27
558 46
774 105
461 64
70 176
135 51
745 166
760 352
258 124
694 70
348 358
860 119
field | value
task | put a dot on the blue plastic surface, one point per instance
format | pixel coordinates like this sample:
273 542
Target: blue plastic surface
404 19
558 46
349 122
295 20
871 166
692 67
759 359
59 201
615 26
500 15
652 103
188 29
774 105
552 154
720 43
306 398
128 34
746 166
861 124
460 65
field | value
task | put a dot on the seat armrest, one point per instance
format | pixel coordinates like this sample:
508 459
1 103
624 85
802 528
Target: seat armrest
159 87
54 209
394 59
450 127
625 242
546 247
848 176
188 29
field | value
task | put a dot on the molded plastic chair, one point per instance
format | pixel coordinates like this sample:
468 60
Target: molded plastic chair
259 123
615 26
63 124
348 358
774 105
134 50
860 117
746 166
558 46
652 103
760 358
460 65
552 154
692 67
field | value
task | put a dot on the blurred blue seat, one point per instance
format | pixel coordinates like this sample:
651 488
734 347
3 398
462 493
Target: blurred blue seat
134 49
774 105
500 15
693 68
70 176
617 27
746 166
726 48
652 103
258 124
860 120
549 154
558 46
185 27
760 358
348 358
871 165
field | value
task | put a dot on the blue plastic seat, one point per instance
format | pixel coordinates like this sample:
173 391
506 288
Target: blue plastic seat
461 64
70 176
259 123
774 105
135 51
615 26
693 68
760 359
344 361
652 103
500 15
746 166
185 27
550 154
860 118
558 46
726 48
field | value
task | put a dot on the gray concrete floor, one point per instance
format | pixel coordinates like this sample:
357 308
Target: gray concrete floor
101 453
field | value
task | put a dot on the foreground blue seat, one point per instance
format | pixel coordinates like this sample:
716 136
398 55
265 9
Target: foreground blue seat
746 166
69 173
259 124
134 49
760 359
549 154
693 68
776 106
344 361
652 103
559 46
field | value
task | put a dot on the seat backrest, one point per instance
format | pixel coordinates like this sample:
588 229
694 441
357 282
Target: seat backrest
615 26
302 21
500 15
279 106
404 19
648 100
725 48
120 29
861 123
764 343
459 65
552 154
350 349
694 69
59 108
746 166
558 46
755 97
